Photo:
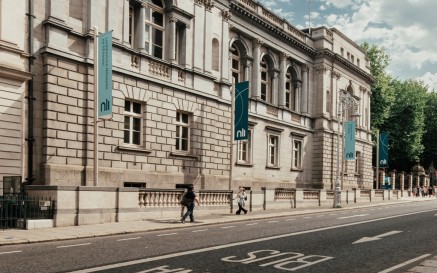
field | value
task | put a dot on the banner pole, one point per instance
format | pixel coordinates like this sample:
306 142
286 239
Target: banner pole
231 154
377 159
96 108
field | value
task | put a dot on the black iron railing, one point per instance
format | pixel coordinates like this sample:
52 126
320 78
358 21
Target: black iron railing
15 210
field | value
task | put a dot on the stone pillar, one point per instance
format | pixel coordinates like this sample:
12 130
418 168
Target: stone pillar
274 87
401 180
142 29
172 44
225 48
199 26
297 96
410 181
381 178
281 87
125 24
305 88
393 179
207 56
256 68
417 184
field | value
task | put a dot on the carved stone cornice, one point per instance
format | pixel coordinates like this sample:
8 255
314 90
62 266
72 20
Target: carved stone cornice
321 69
226 14
257 42
198 2
209 4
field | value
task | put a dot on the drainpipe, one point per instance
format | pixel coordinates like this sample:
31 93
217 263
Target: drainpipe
30 98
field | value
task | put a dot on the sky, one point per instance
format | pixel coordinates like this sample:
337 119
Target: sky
407 29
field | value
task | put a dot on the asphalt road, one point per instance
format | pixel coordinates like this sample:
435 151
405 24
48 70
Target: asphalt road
376 239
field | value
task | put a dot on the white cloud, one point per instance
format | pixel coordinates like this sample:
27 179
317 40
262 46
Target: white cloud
430 79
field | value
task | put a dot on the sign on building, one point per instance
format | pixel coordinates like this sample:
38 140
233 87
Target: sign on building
105 74
241 111
383 150
349 141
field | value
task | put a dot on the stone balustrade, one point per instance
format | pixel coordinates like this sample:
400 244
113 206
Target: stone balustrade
285 194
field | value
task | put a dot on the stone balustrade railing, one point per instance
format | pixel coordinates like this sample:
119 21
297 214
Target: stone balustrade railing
311 194
379 193
285 194
167 198
365 193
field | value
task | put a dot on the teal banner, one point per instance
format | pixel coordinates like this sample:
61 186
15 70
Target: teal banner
241 111
383 150
105 74
349 140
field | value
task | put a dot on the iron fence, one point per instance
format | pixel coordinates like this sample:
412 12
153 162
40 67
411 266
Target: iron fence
15 210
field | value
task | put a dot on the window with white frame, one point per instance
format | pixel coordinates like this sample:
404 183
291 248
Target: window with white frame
297 154
244 149
182 132
357 162
273 150
132 123
154 28
266 82
236 68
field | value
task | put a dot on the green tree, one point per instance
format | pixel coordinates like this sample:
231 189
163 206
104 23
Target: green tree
383 94
406 123
429 138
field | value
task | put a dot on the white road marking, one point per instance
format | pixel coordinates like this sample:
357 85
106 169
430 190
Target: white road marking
228 227
189 252
74 245
353 216
307 217
167 234
10 252
252 224
404 263
273 221
291 219
200 230
128 239
375 238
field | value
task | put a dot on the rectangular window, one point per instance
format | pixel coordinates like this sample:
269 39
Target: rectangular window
132 123
182 132
245 149
273 150
297 154
357 162
131 25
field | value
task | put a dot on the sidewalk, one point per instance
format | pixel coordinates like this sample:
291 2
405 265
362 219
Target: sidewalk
20 236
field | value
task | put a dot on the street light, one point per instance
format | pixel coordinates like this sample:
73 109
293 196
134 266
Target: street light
345 102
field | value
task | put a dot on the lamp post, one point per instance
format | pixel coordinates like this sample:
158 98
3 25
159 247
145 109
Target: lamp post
345 102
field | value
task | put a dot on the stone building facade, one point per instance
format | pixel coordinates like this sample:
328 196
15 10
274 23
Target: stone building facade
174 65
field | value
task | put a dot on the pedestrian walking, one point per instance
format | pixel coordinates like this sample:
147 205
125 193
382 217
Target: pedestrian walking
188 200
241 197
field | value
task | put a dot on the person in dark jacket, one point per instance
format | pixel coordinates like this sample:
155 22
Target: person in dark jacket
188 201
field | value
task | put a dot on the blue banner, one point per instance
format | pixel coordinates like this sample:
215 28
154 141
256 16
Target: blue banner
383 150
241 111
349 140
105 74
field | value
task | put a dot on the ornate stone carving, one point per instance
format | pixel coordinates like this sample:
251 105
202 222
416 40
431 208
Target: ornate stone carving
257 42
283 56
321 69
209 4
336 74
226 14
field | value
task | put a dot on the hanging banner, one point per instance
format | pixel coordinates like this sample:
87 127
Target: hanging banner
241 111
105 74
383 150
349 140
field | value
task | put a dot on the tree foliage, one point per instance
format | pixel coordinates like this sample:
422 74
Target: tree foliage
429 137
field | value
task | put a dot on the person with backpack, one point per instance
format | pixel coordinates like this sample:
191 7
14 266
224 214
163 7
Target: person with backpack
241 197
188 201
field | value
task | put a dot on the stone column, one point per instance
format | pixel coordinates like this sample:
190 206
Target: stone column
410 181
305 88
417 181
282 73
297 96
172 44
199 36
274 87
225 48
125 24
256 68
381 178
393 179
142 29
401 179
207 57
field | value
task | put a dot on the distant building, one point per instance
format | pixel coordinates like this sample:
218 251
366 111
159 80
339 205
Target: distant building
173 68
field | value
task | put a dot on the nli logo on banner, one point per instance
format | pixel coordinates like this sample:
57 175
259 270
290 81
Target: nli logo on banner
105 74
349 141
241 111
383 150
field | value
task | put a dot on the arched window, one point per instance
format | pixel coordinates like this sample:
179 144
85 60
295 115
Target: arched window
236 68
289 91
154 30
215 55
266 81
